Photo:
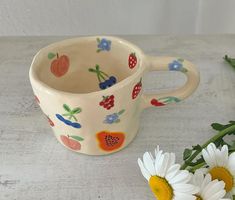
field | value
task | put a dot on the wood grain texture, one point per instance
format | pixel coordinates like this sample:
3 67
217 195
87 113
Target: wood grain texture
33 165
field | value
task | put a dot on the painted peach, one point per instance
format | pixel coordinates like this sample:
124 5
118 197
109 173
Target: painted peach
60 65
72 144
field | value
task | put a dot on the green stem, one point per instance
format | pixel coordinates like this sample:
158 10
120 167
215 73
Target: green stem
104 74
100 75
213 139
193 169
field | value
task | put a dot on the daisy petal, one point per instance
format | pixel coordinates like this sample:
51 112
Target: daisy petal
149 163
145 172
213 188
217 195
188 188
182 177
163 169
172 171
231 161
183 196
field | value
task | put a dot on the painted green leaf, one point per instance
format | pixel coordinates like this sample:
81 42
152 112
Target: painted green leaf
76 110
66 107
180 59
98 50
78 138
117 121
121 111
187 153
51 55
184 70
98 40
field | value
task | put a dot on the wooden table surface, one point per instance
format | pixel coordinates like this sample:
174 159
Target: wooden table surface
33 165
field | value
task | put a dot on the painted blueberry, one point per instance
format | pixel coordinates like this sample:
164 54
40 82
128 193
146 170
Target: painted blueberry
104 44
69 123
113 79
102 85
175 66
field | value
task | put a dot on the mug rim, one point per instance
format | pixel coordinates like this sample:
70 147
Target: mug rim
36 82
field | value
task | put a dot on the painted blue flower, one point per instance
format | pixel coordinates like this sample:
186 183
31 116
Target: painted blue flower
175 66
111 118
103 44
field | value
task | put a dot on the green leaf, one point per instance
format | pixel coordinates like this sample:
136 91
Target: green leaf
78 138
121 111
180 59
98 50
98 40
66 107
184 70
197 147
217 126
76 110
117 121
51 55
187 153
229 60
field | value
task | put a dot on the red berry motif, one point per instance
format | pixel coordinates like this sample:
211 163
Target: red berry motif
155 102
136 89
132 60
50 121
107 102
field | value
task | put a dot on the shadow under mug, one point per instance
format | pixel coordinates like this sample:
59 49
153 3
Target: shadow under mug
90 89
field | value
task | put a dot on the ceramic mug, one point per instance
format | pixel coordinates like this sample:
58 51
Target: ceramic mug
90 89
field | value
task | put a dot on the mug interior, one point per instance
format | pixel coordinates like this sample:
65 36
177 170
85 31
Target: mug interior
86 65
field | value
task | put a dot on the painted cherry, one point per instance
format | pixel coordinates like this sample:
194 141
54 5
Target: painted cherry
72 144
50 121
136 90
155 102
60 65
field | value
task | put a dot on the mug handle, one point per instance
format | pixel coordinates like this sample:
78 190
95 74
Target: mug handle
171 64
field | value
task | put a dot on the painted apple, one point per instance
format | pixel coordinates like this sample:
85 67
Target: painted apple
70 143
60 65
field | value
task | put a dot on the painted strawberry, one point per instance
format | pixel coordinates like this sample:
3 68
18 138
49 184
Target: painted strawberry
155 102
132 60
50 121
136 90
60 65
107 102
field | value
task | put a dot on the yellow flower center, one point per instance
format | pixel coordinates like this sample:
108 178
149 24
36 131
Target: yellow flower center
198 197
223 174
161 188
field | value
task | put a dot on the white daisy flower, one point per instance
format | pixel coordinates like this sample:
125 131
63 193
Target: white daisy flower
209 189
221 165
165 178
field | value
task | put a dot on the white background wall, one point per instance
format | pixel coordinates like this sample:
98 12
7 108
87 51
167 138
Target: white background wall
78 17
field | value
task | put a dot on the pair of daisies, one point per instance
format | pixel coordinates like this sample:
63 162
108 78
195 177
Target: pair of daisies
168 182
